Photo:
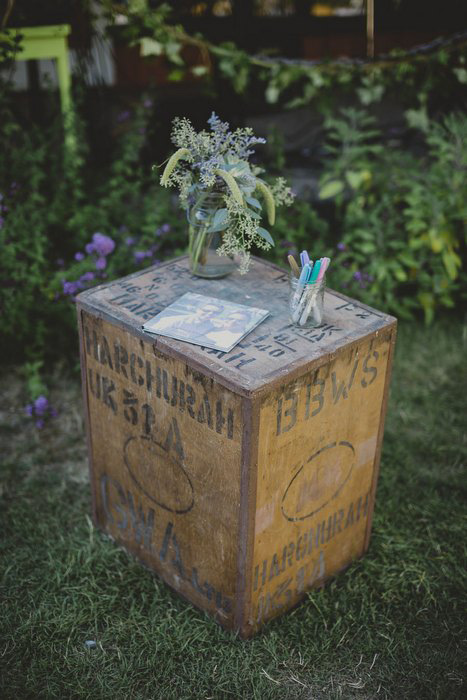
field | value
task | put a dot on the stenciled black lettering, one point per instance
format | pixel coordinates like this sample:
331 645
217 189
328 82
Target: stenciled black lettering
190 400
342 389
149 376
318 397
105 357
230 424
204 412
142 526
130 401
92 345
136 360
279 417
108 387
372 371
120 359
165 542
174 440
94 383
108 505
149 418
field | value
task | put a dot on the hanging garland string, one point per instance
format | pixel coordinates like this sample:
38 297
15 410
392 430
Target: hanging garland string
369 77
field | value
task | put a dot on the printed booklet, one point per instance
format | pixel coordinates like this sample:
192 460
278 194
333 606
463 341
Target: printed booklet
213 323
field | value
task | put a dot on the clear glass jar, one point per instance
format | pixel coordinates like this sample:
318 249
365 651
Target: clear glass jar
306 302
203 243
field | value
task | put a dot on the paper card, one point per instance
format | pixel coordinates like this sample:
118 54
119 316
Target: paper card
201 320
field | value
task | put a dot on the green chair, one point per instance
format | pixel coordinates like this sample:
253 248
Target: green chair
51 42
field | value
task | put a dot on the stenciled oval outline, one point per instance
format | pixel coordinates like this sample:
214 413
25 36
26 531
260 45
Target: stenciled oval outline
151 498
342 443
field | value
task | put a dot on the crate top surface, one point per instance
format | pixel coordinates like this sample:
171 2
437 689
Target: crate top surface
273 353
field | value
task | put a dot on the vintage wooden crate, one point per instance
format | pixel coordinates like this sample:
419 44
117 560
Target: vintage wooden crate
245 478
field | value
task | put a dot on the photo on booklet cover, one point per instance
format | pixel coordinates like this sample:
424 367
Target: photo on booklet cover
207 321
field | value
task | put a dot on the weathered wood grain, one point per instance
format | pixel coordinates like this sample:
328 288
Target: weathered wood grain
242 478
166 454
318 440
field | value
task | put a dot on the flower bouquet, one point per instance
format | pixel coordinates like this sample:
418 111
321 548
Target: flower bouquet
223 195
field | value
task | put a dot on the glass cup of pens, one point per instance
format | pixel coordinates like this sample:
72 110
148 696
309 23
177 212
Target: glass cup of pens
306 291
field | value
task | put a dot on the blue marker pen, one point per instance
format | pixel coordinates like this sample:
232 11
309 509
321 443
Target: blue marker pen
306 270
304 258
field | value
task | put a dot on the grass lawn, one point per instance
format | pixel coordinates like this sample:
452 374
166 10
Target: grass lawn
391 626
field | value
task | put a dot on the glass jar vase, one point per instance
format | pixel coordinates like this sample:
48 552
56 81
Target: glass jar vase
306 302
207 218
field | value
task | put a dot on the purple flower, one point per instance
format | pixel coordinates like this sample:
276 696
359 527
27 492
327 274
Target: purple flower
147 103
165 228
29 409
87 277
123 116
79 256
39 424
101 263
41 405
129 241
140 255
70 287
89 248
103 245
357 275
341 246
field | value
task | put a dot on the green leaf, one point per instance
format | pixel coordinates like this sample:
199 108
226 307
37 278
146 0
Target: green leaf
367 248
272 93
254 202
176 75
254 214
417 119
461 74
266 235
408 260
428 303
331 189
219 221
450 263
150 47
199 71
400 274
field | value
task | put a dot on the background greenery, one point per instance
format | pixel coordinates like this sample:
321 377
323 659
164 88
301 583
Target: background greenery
391 626
393 221
386 201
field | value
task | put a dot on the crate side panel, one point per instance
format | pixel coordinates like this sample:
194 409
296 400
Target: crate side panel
318 447
166 460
